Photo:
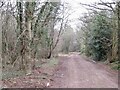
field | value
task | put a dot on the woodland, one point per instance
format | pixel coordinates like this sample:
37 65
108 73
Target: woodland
33 32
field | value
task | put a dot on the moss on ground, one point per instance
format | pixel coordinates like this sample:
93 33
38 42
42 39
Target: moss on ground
116 65
12 73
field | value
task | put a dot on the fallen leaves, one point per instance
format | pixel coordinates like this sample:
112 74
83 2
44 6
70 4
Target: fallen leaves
39 78
48 84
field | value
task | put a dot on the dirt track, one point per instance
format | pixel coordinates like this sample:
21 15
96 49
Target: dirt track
76 72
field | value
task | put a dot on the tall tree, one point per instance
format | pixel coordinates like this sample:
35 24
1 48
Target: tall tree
118 6
108 6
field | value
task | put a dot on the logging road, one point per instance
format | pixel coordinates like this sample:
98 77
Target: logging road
74 71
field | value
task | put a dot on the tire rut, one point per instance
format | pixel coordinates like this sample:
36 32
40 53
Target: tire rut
79 73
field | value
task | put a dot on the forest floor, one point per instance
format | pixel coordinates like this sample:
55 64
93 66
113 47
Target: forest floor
75 71
67 71
41 76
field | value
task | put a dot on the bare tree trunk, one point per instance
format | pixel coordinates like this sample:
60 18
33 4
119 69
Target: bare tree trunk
118 14
30 62
20 28
29 59
115 44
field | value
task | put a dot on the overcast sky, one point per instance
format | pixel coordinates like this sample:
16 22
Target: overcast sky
78 9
